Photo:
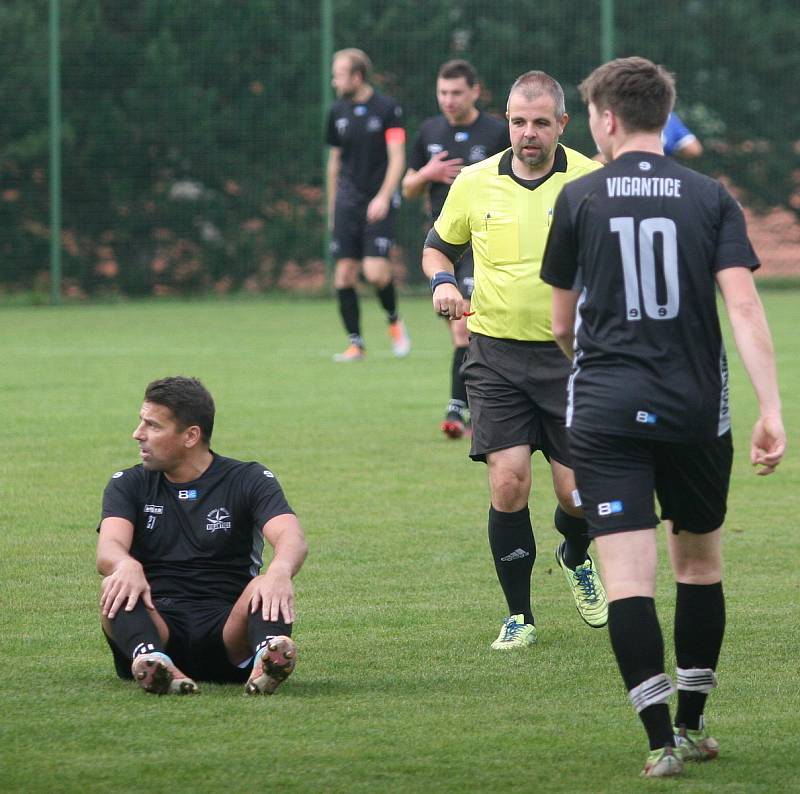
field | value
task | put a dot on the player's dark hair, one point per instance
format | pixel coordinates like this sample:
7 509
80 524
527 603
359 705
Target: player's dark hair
456 68
187 398
639 91
534 83
359 61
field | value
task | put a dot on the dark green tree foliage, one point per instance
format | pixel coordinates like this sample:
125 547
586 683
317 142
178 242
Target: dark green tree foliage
192 153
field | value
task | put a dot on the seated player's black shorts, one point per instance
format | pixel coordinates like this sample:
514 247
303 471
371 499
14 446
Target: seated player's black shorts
618 475
195 641
517 395
354 238
465 273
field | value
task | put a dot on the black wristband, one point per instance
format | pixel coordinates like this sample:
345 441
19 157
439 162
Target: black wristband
443 277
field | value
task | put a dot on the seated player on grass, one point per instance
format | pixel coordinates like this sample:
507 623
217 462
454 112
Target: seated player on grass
179 549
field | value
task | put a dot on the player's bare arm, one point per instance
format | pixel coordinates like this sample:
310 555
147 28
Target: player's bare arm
273 590
754 343
564 306
124 582
439 168
334 163
378 208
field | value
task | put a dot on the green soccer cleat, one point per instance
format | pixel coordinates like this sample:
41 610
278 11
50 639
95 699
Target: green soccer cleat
695 745
665 762
587 590
515 634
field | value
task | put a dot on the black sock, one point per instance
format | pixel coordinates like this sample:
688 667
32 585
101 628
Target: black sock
258 630
699 628
514 551
348 308
134 632
576 539
639 648
458 391
388 298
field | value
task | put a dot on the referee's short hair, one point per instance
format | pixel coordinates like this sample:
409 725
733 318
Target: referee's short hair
187 398
534 84
456 68
359 61
637 90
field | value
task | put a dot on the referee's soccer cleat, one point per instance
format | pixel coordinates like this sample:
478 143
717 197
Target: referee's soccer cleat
664 762
353 353
515 633
273 664
587 590
156 673
695 745
455 424
401 342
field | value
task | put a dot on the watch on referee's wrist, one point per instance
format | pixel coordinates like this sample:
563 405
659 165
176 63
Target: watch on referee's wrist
443 277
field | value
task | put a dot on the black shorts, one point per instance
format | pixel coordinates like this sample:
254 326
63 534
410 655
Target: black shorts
465 273
517 395
195 641
354 238
617 477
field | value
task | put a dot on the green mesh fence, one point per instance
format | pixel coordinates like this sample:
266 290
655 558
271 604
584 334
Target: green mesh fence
192 147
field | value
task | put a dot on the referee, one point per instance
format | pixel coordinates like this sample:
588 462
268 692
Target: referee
639 249
516 376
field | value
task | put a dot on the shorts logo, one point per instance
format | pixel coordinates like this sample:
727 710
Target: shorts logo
219 518
644 418
374 124
609 508
189 495
461 136
383 244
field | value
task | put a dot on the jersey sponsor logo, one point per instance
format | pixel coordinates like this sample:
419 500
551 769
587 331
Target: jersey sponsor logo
360 110
609 508
435 148
219 519
517 554
461 136
268 473
188 495
477 153
374 124
156 509
645 418
117 474
656 186
341 126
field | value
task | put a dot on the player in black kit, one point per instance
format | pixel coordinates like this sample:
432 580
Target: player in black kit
180 549
639 248
365 164
459 136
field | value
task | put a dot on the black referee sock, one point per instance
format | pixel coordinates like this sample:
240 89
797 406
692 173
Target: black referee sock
458 391
639 648
260 630
514 550
699 629
348 308
134 632
576 538
388 298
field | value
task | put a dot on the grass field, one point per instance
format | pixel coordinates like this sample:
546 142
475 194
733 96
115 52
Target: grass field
396 689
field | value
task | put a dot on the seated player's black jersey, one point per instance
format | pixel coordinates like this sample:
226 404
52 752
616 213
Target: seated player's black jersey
359 129
486 136
642 240
199 539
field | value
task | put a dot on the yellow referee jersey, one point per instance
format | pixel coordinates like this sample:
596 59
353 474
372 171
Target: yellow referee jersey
507 224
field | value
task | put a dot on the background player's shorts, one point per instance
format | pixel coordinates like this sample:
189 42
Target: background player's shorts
618 475
465 273
517 395
354 238
195 641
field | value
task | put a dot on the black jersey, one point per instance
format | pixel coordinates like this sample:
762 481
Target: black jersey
474 142
359 130
642 240
199 539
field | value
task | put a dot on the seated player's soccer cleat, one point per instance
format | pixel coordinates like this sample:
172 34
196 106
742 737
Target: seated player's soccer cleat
455 424
353 353
156 673
695 745
401 343
587 590
664 762
273 664
515 634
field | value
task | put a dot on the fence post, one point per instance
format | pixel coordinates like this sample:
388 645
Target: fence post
607 29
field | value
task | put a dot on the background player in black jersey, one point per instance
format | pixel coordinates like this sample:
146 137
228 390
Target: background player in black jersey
365 165
179 547
459 136
639 247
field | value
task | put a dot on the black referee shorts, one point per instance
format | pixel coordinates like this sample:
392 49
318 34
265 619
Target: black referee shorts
617 477
517 394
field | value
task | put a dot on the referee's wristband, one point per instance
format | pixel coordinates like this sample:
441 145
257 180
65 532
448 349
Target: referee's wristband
443 277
